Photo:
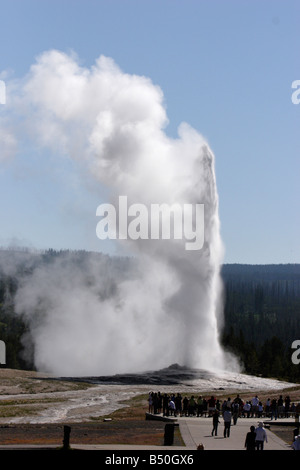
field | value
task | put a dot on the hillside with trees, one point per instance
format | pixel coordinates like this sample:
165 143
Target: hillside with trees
261 310
262 317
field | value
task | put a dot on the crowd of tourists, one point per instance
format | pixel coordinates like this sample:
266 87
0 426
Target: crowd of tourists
230 410
178 405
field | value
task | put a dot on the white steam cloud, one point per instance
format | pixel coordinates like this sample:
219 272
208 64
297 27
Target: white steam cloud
91 319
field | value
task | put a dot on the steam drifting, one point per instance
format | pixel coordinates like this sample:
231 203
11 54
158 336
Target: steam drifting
165 305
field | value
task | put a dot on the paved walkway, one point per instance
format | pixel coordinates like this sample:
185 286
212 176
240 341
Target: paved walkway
198 430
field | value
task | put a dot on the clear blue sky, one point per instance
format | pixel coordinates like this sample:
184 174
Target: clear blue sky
224 66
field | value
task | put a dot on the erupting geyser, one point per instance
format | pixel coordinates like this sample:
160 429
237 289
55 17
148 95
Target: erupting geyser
167 306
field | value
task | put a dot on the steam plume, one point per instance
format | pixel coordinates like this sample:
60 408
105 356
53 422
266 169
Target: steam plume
166 307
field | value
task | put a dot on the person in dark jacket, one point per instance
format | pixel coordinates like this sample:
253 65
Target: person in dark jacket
227 422
250 439
216 421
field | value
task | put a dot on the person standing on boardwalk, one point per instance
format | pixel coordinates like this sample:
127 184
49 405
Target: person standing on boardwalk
246 409
287 404
200 406
260 436
254 406
216 421
235 412
274 408
211 405
227 422
250 439
280 407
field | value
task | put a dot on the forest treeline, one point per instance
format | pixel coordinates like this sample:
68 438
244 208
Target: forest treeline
262 317
261 311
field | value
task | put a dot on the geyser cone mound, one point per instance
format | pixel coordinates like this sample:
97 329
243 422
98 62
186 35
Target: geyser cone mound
183 378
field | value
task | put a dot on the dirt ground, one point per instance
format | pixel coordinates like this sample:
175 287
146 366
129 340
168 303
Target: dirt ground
124 426
113 432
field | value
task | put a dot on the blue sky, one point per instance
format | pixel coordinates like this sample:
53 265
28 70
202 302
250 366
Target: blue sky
225 67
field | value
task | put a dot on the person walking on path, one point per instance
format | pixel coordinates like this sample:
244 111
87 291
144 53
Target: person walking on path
250 439
215 422
227 422
260 436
